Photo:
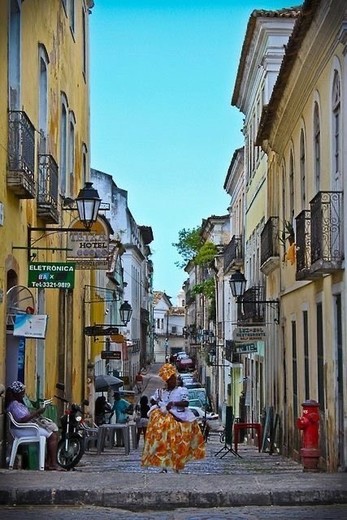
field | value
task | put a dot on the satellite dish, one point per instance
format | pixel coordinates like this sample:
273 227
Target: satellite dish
19 300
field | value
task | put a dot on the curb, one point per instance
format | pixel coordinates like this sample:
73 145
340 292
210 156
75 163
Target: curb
162 499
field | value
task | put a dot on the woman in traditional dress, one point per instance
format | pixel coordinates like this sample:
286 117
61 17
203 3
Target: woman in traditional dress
173 435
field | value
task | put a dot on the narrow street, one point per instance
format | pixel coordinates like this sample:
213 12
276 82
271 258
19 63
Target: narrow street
222 486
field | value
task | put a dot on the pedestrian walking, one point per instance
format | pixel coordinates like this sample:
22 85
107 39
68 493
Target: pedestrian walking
139 382
173 435
141 417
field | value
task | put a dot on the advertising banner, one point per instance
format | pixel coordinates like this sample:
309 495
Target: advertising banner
249 333
30 325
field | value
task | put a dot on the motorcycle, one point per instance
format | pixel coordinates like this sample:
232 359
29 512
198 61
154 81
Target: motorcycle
71 444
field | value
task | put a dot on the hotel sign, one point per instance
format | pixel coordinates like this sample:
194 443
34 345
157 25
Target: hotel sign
51 275
89 250
247 334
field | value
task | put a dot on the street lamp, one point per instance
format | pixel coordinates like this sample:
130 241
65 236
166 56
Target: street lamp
125 312
88 204
237 284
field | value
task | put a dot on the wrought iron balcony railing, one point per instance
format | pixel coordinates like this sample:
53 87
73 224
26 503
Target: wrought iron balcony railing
269 249
21 155
326 231
303 245
47 197
249 308
319 236
233 253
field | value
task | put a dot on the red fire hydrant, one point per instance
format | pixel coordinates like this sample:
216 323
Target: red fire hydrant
309 424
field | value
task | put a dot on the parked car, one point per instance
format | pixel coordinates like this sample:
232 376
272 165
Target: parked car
192 385
200 413
186 380
200 393
196 402
185 364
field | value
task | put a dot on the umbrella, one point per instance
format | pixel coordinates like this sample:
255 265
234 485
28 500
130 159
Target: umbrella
104 382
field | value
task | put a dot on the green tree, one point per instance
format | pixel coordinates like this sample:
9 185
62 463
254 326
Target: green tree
188 245
206 254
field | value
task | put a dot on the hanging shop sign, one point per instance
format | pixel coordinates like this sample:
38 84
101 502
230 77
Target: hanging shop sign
30 325
246 348
89 250
51 275
101 330
247 334
111 354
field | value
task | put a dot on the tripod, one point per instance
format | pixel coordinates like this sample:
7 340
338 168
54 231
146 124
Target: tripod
228 434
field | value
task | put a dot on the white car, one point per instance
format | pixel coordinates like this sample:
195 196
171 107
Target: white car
200 413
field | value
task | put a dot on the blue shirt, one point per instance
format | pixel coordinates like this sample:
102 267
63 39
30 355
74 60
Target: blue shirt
120 407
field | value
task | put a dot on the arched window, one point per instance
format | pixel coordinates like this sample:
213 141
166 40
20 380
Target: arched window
317 154
63 144
14 52
71 153
291 187
336 127
85 168
303 169
43 98
283 195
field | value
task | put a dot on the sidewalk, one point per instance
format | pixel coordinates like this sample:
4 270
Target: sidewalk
113 479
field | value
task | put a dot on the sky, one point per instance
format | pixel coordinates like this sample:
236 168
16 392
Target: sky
162 74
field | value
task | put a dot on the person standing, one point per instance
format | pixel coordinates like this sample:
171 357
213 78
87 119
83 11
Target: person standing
139 382
102 407
141 420
173 436
122 408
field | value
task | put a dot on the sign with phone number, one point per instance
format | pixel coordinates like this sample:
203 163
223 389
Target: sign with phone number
51 275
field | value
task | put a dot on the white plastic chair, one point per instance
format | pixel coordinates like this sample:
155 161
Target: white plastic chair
34 436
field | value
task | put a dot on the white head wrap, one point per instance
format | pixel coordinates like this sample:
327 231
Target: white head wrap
17 387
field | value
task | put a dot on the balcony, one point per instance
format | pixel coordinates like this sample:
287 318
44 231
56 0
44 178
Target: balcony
269 253
233 253
230 354
326 232
47 197
319 237
249 309
21 155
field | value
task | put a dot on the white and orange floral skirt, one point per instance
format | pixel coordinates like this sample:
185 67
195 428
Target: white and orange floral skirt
171 443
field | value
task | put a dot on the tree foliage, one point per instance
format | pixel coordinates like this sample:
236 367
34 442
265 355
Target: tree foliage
192 247
207 288
206 254
188 245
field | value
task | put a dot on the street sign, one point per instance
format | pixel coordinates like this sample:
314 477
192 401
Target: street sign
51 275
111 354
101 330
247 334
246 348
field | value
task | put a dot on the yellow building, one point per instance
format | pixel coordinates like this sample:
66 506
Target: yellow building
303 131
44 157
